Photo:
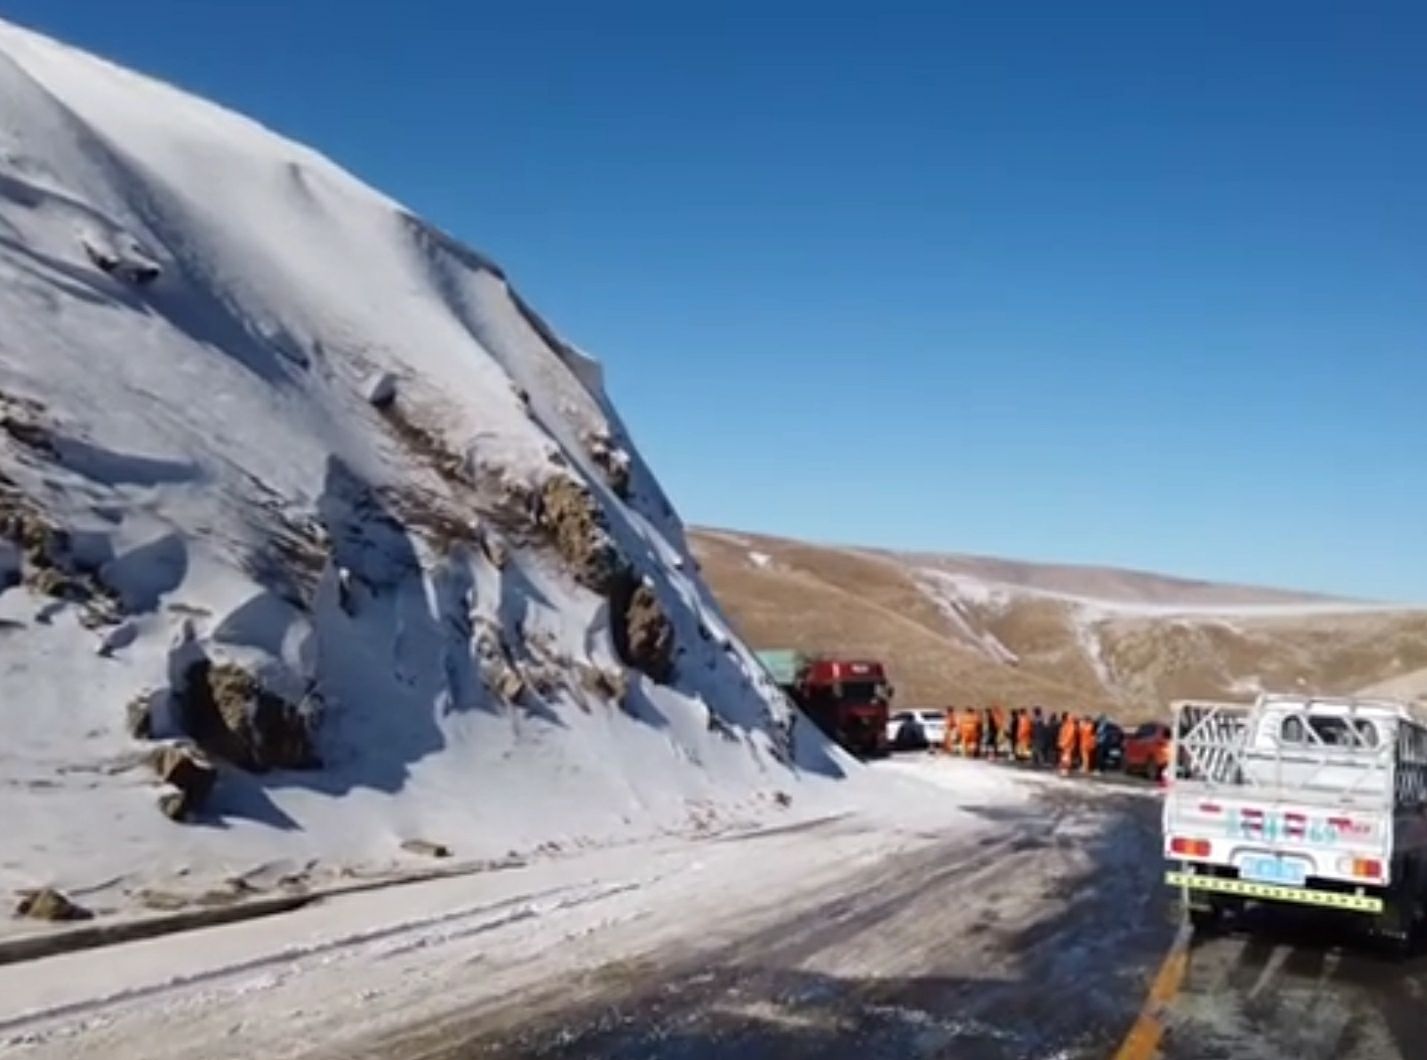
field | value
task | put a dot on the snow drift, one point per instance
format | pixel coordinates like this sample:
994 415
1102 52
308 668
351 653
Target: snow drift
288 473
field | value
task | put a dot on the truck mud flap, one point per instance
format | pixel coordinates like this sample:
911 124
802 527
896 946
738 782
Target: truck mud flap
1270 892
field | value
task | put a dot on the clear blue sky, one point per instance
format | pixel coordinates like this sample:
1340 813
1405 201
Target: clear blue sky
1066 281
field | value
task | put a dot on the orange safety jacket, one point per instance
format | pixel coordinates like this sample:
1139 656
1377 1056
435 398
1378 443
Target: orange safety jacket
971 729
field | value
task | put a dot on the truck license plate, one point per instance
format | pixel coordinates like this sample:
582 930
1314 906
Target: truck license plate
1273 870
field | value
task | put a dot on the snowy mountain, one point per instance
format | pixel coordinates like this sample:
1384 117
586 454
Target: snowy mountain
293 480
968 629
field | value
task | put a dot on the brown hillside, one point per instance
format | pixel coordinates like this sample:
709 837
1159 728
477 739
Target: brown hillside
956 630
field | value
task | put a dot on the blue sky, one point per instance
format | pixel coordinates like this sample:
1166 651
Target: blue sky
1088 282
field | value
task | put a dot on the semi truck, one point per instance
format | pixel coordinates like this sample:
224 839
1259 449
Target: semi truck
1317 801
847 698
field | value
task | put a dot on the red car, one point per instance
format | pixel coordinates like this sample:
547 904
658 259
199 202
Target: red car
1147 750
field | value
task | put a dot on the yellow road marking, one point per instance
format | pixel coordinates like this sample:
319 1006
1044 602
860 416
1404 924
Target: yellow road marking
1142 1043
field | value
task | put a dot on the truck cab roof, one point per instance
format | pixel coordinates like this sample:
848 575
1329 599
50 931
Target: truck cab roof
828 670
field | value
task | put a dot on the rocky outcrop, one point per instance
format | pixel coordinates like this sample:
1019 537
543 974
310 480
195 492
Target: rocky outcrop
189 776
139 716
129 263
380 390
600 683
426 848
493 548
233 717
613 461
495 664
50 904
42 545
40 555
577 528
643 634
49 581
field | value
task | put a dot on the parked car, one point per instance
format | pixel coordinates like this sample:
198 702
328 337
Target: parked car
1110 747
915 730
1147 750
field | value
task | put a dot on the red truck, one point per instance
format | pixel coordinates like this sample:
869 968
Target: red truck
848 699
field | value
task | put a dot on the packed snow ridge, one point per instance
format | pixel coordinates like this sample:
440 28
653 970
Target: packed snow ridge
306 515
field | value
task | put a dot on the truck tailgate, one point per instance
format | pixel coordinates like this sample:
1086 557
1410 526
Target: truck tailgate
1278 841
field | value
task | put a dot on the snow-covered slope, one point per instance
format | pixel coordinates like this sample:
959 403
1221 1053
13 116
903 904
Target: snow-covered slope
259 421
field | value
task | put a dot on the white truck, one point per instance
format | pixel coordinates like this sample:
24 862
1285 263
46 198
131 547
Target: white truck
1320 801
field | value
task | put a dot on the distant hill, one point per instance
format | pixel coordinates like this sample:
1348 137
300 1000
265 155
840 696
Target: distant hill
967 629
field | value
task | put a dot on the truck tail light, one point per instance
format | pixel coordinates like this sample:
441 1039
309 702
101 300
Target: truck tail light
1189 848
1367 868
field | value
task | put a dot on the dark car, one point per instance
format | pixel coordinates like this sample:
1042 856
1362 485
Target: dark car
1110 747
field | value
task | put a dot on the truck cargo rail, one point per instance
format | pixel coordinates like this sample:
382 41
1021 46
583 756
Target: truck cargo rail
1342 759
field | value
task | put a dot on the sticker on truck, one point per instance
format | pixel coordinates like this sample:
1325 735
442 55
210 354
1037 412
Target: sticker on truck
1253 824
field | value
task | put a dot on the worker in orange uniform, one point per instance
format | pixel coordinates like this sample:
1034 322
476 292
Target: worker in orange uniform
1069 734
1025 727
951 742
971 732
1087 744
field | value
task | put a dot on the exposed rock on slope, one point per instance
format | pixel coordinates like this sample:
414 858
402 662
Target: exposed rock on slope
188 777
231 715
643 634
46 903
269 442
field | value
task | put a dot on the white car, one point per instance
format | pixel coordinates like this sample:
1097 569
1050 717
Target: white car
928 725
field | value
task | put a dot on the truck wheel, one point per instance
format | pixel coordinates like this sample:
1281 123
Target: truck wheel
1392 930
1205 915
1396 927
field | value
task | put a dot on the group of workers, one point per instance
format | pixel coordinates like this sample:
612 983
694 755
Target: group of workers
1060 740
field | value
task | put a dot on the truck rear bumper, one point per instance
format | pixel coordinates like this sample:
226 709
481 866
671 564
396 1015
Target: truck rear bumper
1271 892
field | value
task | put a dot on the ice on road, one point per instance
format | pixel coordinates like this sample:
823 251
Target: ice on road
931 864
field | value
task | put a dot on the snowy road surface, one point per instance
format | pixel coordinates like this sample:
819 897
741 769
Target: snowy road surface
1036 943
986 912
1298 985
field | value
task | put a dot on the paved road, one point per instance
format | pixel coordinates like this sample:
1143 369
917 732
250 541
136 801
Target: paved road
1295 984
1041 944
1038 944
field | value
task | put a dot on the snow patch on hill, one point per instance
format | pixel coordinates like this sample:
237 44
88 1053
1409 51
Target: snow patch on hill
990 593
954 596
266 435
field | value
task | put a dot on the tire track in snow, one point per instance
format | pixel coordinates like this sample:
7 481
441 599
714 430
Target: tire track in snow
403 937
1028 944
